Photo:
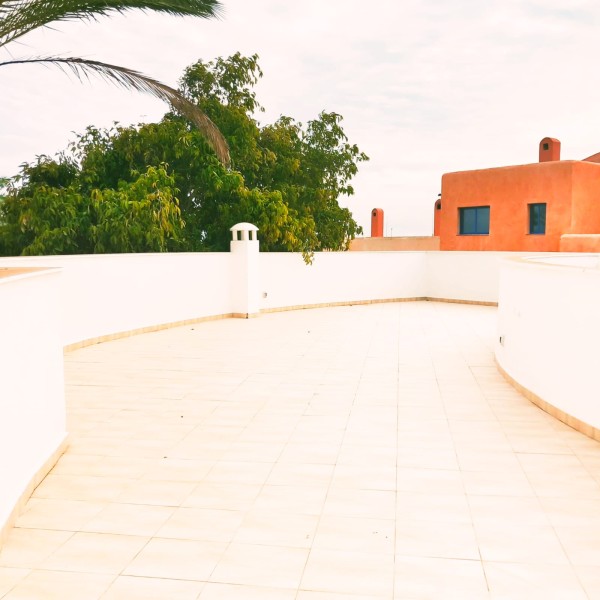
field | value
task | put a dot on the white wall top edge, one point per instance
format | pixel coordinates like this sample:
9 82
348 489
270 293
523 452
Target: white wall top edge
44 271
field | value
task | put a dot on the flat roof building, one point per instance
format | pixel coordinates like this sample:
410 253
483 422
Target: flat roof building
551 205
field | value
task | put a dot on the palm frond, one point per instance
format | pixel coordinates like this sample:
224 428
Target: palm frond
130 79
18 17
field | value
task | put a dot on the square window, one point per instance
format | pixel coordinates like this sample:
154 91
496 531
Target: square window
537 219
474 220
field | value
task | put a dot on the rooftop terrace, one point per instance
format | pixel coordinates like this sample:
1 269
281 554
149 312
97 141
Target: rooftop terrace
348 453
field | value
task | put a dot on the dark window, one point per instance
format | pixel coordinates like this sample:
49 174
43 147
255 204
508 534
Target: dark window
474 220
537 218
438 206
546 146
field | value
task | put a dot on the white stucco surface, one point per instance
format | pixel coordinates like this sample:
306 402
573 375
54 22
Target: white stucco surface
32 405
340 277
549 322
105 294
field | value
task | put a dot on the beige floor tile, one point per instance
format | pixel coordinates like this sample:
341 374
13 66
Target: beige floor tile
176 559
441 539
569 483
253 452
261 566
581 544
490 511
67 515
223 496
366 455
57 585
95 553
10 577
453 508
146 588
355 534
311 595
534 442
173 469
102 466
310 453
299 500
530 580
360 477
572 512
345 502
490 462
343 572
291 474
590 580
27 548
519 542
203 524
418 458
504 483
157 493
128 519
277 529
224 591
429 578
430 481
81 487
244 472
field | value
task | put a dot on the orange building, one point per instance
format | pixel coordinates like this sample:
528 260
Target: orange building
552 205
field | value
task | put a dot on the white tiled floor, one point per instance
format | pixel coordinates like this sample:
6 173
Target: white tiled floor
366 452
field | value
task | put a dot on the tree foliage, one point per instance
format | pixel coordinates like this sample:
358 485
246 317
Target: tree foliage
286 178
48 214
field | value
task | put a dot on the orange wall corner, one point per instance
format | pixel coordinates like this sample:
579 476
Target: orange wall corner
573 242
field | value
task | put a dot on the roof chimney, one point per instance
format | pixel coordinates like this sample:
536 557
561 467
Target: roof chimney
549 149
377 222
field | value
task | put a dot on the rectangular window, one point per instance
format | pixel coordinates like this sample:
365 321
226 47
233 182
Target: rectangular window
537 219
474 220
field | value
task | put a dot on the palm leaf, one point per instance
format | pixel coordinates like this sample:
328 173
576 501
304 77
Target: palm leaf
18 17
130 79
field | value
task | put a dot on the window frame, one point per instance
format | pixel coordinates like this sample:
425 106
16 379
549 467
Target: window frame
530 222
476 209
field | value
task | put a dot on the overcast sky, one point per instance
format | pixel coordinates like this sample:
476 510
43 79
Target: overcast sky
425 86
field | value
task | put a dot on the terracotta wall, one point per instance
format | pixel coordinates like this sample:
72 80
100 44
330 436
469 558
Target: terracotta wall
585 217
508 191
394 244
582 242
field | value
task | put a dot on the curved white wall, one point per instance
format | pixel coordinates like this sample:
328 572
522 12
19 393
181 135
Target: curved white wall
107 294
340 277
465 275
32 408
549 319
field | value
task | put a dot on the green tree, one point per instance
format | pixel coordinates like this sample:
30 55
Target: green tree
49 214
286 177
311 166
19 17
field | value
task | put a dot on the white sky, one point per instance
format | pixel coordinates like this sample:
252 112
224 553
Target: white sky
425 86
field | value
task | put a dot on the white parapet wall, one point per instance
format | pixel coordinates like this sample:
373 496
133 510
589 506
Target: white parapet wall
32 405
549 334
102 295
471 276
340 277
